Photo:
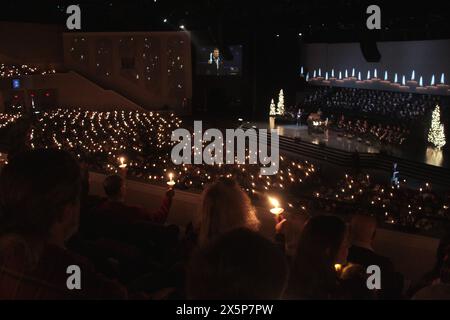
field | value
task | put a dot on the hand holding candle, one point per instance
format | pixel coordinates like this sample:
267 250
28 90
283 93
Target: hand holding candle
276 210
123 167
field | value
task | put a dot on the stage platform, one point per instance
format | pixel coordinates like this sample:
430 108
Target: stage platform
332 139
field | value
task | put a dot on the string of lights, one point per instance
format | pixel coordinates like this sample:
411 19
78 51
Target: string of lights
10 70
8 119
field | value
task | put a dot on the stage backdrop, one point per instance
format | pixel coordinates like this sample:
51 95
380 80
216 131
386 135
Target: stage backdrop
425 58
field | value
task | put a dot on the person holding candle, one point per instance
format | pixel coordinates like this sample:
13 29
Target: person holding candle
115 219
280 220
224 207
322 244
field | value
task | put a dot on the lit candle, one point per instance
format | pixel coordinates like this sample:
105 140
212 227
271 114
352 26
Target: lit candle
123 165
338 267
171 183
276 210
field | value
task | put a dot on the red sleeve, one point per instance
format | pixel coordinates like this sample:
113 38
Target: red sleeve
160 215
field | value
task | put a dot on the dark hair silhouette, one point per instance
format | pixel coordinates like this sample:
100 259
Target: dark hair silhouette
313 275
239 264
34 189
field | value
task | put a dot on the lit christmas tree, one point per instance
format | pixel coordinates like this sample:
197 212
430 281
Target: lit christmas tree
273 111
436 135
280 105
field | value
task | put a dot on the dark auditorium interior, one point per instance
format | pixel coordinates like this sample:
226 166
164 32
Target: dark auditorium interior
217 150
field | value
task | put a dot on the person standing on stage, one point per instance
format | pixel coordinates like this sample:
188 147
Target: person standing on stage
299 117
395 180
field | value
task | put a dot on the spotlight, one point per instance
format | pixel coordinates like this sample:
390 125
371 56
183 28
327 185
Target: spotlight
165 20
299 34
182 27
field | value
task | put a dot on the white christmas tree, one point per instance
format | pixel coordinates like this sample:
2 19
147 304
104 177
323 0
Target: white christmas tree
436 135
280 105
273 111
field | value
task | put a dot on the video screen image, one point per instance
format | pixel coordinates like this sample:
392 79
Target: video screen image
213 61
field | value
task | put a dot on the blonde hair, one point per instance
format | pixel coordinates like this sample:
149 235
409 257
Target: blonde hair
225 206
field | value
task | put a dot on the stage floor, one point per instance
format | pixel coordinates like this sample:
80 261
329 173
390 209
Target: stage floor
419 153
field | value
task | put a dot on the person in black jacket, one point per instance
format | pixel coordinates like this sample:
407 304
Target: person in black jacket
362 234
215 63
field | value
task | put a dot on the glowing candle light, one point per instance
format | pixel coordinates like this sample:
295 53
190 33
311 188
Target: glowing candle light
171 183
338 267
413 75
353 72
276 210
442 79
385 75
432 80
122 165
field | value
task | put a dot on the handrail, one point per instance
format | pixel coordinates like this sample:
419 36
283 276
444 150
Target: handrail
409 168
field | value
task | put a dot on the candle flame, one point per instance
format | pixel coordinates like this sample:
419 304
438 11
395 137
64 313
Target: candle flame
274 202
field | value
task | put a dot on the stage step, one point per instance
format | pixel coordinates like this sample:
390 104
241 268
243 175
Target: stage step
378 161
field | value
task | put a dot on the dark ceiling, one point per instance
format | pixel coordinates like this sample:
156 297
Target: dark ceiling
316 20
